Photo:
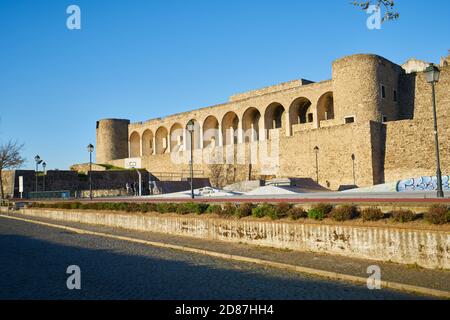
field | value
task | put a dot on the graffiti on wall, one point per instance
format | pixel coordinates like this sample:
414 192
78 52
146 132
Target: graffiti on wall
422 184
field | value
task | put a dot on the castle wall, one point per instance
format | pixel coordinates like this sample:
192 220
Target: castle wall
410 147
70 180
336 146
391 138
296 157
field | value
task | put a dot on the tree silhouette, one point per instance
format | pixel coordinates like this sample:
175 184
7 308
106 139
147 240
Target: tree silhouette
387 6
10 158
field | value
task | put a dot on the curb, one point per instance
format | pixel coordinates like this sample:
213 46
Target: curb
267 263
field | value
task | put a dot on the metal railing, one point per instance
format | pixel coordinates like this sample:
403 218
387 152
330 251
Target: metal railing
64 194
178 176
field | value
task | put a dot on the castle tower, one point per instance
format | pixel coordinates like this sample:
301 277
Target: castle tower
112 140
366 87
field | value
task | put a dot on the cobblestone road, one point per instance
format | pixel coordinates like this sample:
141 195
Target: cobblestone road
34 260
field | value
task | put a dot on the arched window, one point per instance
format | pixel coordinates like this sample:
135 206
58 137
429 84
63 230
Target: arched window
162 143
250 124
135 145
147 143
210 132
325 107
230 126
176 137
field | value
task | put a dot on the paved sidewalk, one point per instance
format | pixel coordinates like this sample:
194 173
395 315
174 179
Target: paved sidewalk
409 275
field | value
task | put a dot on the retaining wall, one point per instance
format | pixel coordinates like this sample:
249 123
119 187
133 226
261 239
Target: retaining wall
428 249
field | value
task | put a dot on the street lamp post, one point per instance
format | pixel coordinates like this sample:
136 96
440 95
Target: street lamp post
353 163
38 161
316 151
432 74
44 165
190 127
90 148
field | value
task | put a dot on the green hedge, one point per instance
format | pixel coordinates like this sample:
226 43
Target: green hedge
435 215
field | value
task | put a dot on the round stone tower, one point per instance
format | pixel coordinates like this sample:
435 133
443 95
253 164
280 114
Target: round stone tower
365 87
112 140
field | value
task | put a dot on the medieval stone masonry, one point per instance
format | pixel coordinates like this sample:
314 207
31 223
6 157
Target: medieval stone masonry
371 123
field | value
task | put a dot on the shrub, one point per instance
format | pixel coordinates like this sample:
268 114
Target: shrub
229 209
325 208
437 214
372 214
344 213
264 210
403 215
84 206
119 206
132 207
244 210
296 213
35 205
144 207
183 209
316 214
198 208
166 207
75 205
108 206
62 205
215 209
282 209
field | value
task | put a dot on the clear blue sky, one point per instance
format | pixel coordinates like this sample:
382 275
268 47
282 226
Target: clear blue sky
140 59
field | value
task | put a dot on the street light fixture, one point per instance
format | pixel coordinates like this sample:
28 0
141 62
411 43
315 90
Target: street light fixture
38 161
316 151
44 165
191 128
90 149
432 74
353 163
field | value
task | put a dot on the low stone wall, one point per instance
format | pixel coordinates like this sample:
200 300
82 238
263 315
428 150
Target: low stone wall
428 249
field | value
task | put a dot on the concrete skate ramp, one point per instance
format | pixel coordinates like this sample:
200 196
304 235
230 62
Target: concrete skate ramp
381 188
207 192
165 187
308 185
274 190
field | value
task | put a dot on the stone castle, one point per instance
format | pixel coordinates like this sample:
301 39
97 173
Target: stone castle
371 123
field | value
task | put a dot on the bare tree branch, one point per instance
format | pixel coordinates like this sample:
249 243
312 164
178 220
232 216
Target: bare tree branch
10 158
388 7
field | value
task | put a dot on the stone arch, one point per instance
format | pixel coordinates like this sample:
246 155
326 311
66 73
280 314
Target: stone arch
250 124
162 145
300 111
195 136
135 145
176 137
325 107
230 126
274 117
147 143
210 132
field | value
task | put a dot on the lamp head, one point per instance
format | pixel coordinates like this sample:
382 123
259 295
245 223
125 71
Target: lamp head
432 73
90 148
190 126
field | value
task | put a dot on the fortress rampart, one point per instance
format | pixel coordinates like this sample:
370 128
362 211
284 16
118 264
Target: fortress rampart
371 123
